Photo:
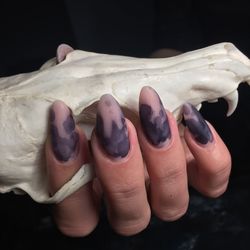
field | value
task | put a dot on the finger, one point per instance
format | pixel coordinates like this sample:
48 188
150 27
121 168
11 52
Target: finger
164 156
120 169
66 151
209 171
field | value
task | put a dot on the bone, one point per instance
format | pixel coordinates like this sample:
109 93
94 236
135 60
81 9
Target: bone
79 80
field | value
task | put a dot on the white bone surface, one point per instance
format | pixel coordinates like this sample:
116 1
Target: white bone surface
79 80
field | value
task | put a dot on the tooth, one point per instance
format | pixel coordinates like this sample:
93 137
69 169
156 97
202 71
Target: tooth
232 101
213 101
198 107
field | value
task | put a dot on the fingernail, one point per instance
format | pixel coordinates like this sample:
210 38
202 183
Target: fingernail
64 138
153 117
196 124
111 128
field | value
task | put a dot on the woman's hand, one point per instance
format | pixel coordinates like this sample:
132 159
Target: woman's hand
141 168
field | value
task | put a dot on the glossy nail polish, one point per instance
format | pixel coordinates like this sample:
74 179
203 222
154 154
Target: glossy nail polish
64 138
196 124
111 128
153 117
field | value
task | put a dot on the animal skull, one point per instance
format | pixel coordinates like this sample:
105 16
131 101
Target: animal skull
79 78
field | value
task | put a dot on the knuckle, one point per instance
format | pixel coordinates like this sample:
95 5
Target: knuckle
216 191
133 226
216 183
171 175
125 192
176 173
76 231
171 214
216 178
221 170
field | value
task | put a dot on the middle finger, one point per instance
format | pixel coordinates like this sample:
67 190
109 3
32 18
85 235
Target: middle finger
120 169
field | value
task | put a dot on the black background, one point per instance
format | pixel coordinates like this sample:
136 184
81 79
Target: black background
30 34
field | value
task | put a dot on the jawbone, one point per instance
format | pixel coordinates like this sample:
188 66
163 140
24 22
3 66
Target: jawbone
80 80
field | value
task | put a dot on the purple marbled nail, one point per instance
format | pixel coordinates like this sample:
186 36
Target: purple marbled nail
111 128
64 138
196 124
153 117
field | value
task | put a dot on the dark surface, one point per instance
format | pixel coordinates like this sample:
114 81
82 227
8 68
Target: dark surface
30 34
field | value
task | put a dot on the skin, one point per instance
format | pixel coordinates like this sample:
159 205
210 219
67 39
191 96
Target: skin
121 180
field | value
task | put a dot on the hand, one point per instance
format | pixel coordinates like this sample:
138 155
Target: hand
132 189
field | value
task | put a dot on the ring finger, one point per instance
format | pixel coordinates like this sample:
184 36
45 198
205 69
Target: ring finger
164 156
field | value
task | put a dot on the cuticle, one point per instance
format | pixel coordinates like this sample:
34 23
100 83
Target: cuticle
165 147
209 144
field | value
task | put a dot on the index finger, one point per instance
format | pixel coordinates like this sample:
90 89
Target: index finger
66 151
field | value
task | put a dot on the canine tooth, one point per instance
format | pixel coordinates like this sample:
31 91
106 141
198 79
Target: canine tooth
198 107
232 101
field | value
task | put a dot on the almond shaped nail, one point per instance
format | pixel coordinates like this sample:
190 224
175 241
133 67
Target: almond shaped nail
111 128
153 117
64 138
196 124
